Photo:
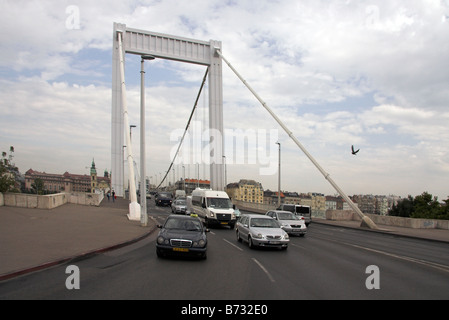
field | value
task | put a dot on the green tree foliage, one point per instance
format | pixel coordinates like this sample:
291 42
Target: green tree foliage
423 206
404 208
38 186
7 171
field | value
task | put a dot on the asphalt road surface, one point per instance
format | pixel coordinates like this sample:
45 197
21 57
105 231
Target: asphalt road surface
328 263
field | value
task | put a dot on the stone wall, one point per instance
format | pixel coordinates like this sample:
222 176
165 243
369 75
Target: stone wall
50 201
348 215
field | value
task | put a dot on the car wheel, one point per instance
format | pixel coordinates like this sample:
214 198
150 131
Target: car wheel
238 236
250 243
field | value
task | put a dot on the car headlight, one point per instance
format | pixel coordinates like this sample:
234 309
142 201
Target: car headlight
258 236
286 237
200 243
162 240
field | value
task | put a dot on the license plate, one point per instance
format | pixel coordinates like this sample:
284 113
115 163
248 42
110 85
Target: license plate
223 222
181 249
274 242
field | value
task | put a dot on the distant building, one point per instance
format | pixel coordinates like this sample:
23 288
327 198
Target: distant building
191 184
291 197
68 182
271 197
331 202
246 190
318 202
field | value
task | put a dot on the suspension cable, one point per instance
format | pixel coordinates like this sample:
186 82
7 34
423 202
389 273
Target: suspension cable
187 127
326 175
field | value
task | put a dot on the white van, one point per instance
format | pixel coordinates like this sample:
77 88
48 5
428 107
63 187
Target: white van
213 207
299 210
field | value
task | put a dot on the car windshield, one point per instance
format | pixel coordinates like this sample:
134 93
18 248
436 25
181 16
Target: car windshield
221 203
183 224
264 223
287 216
164 195
180 202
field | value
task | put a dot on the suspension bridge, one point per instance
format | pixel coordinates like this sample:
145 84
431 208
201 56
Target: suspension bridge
152 45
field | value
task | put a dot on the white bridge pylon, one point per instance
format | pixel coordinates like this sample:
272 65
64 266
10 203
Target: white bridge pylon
139 42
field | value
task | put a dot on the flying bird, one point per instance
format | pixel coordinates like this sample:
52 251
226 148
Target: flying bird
353 151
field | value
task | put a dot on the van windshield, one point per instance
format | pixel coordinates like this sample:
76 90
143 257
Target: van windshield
303 210
221 203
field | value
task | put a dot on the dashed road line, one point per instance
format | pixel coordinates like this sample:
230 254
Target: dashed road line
264 270
238 248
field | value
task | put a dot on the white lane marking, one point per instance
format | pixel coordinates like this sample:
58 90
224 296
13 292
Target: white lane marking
410 259
233 245
264 269
405 258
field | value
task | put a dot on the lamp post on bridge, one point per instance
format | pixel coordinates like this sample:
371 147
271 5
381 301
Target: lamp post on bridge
279 176
143 188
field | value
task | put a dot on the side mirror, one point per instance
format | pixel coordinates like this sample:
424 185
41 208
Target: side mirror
207 230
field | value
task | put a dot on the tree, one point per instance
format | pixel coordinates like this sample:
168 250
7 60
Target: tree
426 207
423 206
404 208
38 185
7 172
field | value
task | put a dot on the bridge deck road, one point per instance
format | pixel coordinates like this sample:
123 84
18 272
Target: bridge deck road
328 263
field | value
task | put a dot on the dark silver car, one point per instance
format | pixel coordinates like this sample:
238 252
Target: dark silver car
182 235
261 231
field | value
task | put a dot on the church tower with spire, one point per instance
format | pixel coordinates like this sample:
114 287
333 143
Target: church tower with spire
93 177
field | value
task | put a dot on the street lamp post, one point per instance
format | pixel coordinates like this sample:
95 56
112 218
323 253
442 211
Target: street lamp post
279 176
143 188
226 174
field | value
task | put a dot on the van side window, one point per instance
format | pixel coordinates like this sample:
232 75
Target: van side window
196 201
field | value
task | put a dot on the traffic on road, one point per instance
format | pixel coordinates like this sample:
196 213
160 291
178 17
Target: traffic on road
328 263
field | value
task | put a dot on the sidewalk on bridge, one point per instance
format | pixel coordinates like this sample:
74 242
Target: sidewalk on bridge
33 239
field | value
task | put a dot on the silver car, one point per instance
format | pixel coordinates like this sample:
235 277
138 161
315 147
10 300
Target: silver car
291 223
179 206
261 231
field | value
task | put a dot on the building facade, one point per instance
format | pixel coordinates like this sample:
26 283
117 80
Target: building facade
188 185
68 182
246 190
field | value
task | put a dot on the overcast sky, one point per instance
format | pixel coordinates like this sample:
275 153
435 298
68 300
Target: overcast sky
373 74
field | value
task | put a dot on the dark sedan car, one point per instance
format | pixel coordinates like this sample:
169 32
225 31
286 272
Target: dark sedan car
163 199
182 235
